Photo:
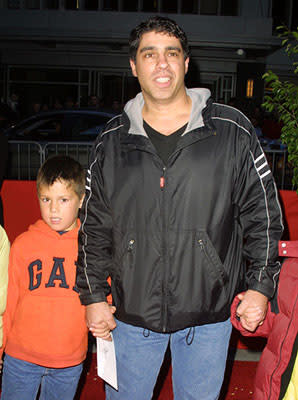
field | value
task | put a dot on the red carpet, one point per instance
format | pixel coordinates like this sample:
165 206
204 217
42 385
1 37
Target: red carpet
238 382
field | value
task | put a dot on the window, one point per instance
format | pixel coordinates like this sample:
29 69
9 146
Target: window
294 23
52 4
229 7
189 7
150 5
285 13
32 4
38 75
209 7
169 6
70 4
219 7
13 4
91 5
110 5
130 5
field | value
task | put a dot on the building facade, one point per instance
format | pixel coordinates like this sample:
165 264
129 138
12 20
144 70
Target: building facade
53 49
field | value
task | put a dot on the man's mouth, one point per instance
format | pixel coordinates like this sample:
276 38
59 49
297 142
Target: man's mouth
163 79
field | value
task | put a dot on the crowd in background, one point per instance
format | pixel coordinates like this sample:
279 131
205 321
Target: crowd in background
14 110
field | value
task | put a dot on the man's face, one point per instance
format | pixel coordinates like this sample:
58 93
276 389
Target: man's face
160 67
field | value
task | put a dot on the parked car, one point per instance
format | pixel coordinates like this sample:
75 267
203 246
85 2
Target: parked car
43 135
60 125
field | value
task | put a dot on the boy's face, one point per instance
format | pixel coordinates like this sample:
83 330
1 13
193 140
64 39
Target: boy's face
59 205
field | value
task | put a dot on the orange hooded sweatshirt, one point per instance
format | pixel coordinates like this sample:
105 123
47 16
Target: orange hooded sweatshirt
44 322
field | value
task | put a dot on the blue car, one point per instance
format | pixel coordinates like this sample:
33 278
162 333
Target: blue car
60 125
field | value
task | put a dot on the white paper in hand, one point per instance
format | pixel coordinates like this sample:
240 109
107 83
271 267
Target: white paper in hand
106 361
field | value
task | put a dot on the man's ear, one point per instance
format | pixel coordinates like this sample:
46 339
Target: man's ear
186 62
133 68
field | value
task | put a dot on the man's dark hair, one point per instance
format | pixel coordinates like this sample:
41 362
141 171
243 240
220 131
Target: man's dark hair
65 169
159 25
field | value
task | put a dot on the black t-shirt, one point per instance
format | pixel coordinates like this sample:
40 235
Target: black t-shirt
164 145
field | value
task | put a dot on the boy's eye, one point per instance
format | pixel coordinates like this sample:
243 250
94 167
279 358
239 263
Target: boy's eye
148 55
64 200
173 54
44 199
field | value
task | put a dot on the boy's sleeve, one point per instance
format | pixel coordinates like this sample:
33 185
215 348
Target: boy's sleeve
12 293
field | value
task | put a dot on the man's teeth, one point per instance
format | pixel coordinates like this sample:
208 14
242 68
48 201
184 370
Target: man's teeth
163 80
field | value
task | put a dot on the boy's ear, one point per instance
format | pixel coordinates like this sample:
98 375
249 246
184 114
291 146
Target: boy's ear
81 201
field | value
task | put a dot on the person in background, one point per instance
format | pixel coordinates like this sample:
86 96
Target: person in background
69 103
35 108
277 373
175 185
93 102
45 334
4 254
14 105
57 104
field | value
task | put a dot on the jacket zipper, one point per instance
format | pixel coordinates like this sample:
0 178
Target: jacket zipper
162 183
202 246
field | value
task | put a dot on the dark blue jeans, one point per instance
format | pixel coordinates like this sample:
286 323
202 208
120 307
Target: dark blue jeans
21 381
198 361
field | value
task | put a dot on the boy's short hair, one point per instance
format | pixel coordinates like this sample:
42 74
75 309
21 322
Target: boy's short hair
65 169
159 25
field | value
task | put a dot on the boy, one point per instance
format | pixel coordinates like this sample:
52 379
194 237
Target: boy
45 335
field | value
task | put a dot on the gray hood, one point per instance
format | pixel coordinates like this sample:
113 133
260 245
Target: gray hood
134 107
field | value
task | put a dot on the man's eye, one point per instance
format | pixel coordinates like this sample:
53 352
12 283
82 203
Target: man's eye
148 55
173 54
44 199
64 200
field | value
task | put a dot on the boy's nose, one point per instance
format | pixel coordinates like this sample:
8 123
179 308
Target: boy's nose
53 207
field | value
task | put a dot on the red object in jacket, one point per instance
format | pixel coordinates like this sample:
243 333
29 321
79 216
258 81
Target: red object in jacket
281 330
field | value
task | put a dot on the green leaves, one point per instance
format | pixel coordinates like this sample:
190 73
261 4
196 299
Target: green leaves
283 98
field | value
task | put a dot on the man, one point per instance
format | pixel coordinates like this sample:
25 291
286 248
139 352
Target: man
175 185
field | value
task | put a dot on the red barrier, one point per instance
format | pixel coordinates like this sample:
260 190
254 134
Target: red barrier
289 202
21 209
20 206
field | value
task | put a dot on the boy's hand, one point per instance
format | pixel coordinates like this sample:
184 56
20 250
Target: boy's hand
252 309
100 320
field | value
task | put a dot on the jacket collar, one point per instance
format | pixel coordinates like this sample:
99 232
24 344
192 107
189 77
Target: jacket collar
199 117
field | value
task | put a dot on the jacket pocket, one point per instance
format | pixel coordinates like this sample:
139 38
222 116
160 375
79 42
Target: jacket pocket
210 255
128 255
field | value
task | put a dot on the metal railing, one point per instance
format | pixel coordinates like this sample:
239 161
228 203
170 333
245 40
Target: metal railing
25 158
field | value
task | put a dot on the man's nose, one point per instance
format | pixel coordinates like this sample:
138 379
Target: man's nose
162 61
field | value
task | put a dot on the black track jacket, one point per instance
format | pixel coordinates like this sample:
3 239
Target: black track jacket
175 239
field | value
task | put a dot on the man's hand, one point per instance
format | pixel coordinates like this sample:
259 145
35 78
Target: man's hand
100 319
252 309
